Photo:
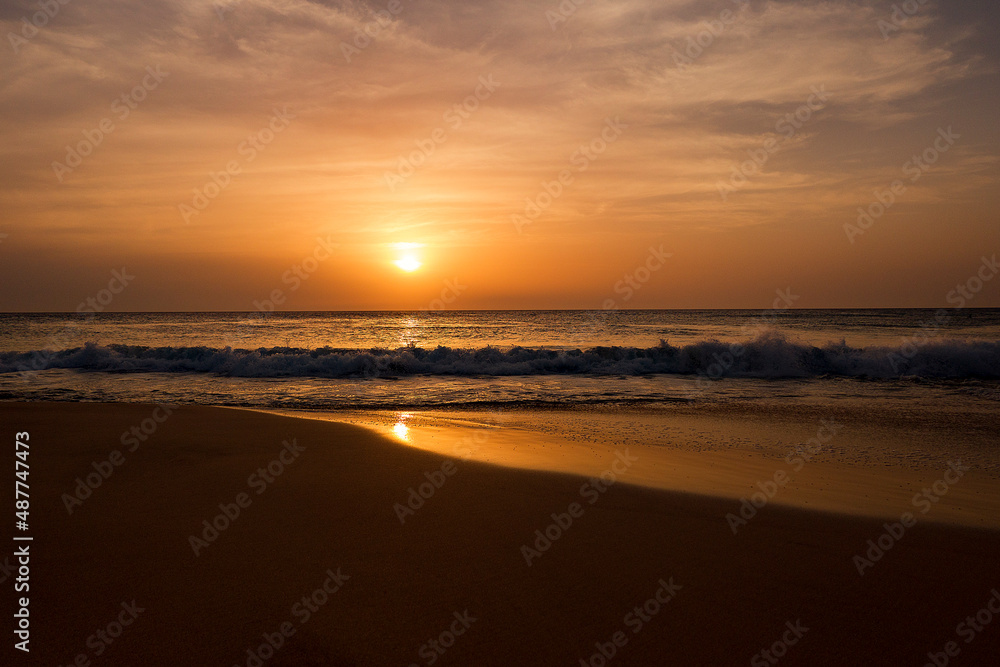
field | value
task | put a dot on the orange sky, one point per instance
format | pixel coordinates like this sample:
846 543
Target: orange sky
441 127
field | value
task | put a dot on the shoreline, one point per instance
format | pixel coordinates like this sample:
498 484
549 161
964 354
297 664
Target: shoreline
324 532
808 464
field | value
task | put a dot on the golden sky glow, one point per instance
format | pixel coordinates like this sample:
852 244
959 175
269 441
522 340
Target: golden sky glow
537 158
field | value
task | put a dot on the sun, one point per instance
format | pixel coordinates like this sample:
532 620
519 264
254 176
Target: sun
409 263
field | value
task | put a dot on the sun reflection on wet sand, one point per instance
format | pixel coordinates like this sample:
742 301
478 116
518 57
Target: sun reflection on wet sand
400 428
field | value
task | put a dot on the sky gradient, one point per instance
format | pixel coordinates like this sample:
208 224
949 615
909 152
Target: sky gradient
535 157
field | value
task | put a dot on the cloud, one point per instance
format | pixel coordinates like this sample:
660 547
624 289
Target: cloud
745 65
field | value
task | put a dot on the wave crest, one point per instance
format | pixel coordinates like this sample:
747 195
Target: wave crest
768 356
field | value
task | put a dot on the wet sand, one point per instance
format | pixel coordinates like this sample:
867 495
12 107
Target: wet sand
841 460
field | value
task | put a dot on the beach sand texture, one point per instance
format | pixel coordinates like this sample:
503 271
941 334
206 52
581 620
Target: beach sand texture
454 571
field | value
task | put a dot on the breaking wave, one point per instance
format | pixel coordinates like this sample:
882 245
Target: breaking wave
768 356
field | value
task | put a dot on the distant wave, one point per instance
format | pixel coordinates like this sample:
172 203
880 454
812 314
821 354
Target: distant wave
769 356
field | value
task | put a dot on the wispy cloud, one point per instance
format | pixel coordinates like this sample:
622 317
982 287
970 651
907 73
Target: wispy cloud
232 61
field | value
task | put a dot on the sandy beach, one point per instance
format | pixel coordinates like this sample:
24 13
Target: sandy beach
344 547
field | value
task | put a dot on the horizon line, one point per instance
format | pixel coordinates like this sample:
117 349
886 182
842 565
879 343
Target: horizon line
476 310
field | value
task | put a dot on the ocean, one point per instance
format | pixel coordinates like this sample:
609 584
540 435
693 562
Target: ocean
502 359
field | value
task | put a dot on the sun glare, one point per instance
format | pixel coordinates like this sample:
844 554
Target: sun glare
400 428
408 263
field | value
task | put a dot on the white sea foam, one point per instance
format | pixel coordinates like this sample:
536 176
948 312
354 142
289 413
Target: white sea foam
768 356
